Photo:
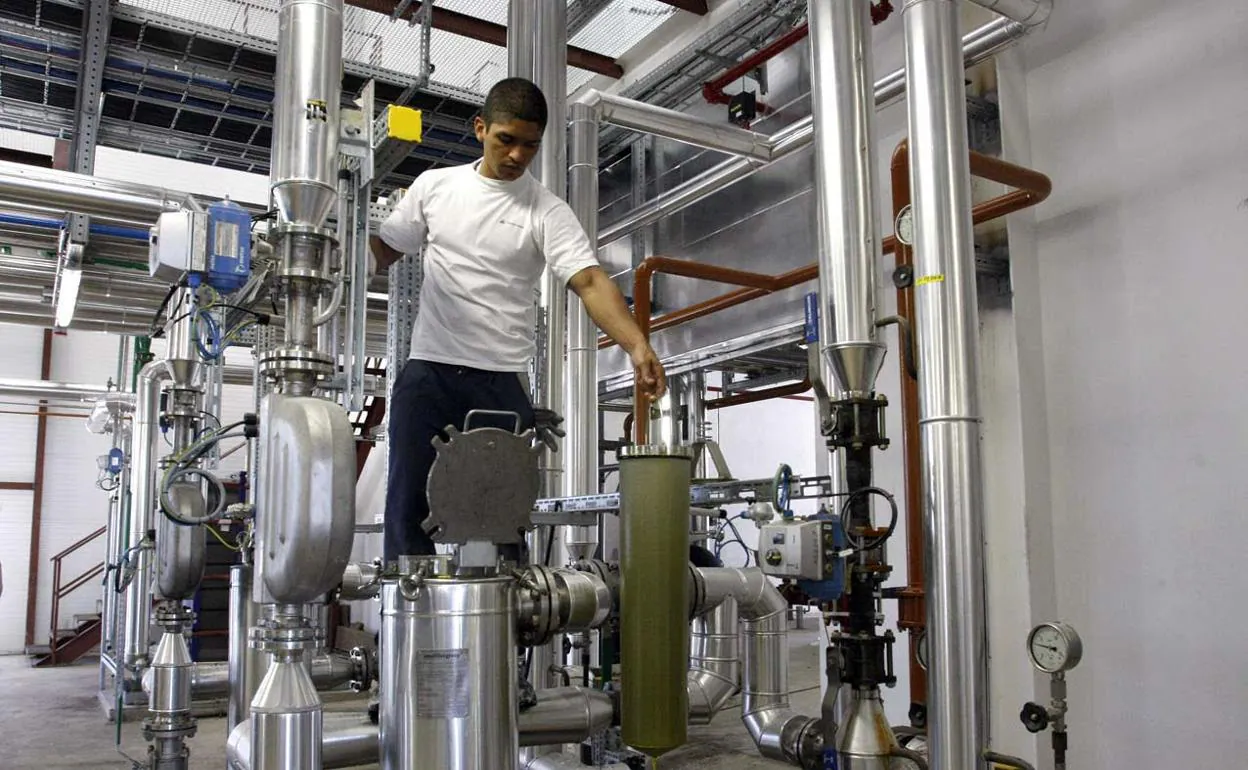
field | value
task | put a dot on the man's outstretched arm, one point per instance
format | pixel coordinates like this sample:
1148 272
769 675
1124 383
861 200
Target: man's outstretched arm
608 309
383 254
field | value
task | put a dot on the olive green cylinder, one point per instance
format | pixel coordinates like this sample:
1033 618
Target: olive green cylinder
654 596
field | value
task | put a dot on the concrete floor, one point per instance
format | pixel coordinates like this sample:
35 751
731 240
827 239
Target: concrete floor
51 720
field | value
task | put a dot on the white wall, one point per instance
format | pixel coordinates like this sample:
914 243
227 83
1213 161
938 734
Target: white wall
1138 111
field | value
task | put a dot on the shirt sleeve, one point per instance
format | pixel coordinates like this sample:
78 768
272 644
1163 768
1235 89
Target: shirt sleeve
564 243
404 230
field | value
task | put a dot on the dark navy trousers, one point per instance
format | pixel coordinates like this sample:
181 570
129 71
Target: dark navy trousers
427 398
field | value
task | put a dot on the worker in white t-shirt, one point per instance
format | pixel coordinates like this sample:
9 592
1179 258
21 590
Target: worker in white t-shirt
487 230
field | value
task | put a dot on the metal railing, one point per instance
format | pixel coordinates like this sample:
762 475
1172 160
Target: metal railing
61 591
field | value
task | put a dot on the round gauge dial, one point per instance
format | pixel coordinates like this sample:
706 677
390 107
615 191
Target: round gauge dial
1054 647
920 649
904 226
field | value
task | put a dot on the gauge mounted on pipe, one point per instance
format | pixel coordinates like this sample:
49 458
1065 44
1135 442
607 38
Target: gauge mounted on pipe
1054 647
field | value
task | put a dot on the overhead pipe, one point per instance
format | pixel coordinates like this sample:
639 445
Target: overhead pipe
947 329
86 194
978 46
13 387
1033 188
1031 13
682 127
755 396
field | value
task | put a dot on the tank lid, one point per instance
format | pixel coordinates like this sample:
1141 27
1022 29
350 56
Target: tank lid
656 450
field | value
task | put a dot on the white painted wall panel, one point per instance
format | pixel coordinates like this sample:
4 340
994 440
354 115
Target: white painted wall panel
14 555
1137 110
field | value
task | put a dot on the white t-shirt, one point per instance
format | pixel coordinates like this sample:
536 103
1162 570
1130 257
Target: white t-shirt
485 244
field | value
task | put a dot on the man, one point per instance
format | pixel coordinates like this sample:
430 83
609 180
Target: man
487 230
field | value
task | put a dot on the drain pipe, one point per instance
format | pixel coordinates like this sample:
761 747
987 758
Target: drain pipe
946 325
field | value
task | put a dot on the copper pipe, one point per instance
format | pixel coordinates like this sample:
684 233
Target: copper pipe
1034 188
754 396
641 307
912 607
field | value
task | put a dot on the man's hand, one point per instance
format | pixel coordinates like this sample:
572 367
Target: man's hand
648 372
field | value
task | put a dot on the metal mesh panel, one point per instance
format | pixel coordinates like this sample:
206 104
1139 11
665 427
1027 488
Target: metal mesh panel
622 25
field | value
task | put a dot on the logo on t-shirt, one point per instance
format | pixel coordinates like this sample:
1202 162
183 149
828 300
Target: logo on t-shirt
516 225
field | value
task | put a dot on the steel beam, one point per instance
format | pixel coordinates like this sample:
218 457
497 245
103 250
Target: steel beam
692 6
489 32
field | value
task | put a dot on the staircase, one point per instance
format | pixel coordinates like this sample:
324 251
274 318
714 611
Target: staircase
70 644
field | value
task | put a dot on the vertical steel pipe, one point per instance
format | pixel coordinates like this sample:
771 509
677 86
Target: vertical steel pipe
654 596
142 512
947 323
246 664
844 113
581 395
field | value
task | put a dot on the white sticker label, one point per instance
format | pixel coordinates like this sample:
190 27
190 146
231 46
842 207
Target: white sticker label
225 239
442 690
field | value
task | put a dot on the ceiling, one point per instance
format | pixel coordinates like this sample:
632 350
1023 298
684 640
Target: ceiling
193 79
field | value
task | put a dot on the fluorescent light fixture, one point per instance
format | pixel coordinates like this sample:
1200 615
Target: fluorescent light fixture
67 296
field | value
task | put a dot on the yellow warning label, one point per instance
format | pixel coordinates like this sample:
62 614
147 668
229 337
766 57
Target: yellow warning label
925 280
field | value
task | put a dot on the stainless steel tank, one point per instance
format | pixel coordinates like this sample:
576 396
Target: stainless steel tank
448 674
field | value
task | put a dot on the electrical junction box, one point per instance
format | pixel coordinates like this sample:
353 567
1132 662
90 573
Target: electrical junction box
215 244
797 549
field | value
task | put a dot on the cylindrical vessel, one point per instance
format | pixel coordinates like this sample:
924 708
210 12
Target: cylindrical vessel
844 114
946 326
654 596
286 717
448 674
306 110
66 191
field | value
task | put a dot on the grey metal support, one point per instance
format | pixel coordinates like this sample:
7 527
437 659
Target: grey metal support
582 12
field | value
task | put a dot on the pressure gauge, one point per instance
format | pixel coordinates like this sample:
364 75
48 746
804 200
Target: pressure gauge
1054 647
904 226
920 649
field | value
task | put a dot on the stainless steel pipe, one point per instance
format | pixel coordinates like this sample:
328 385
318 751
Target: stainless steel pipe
947 330
246 666
80 193
844 138
714 662
580 406
11 387
346 741
565 715
977 46
682 127
1032 13
142 513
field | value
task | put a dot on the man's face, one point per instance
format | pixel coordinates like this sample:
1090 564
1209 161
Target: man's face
509 147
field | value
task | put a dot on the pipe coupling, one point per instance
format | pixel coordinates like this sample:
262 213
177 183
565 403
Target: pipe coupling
552 601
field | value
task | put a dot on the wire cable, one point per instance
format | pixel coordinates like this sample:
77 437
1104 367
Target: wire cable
860 544
221 539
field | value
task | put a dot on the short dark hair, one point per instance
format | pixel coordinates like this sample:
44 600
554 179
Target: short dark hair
515 99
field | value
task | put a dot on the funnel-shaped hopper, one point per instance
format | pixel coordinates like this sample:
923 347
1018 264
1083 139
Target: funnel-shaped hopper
184 372
865 740
304 201
855 364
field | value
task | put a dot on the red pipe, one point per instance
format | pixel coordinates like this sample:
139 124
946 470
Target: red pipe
754 396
